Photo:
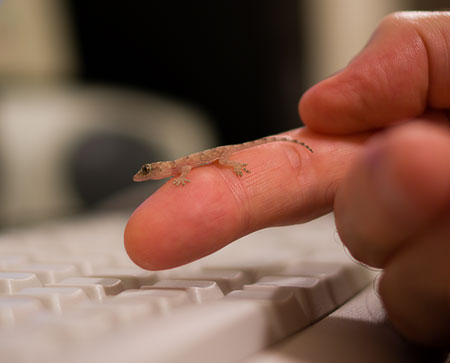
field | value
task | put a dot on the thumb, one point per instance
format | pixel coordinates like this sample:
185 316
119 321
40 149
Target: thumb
400 73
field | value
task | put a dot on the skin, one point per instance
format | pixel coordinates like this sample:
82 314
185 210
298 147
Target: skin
381 138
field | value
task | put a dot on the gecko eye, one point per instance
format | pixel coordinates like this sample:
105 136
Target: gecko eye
146 168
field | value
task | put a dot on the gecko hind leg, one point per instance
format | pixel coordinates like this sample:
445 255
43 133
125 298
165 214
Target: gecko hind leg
238 168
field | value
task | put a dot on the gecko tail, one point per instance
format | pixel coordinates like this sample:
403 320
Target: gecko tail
265 140
288 139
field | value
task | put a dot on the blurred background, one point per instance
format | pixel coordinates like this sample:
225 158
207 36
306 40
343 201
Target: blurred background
90 90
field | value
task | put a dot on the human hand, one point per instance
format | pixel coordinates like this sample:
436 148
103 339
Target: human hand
388 82
393 208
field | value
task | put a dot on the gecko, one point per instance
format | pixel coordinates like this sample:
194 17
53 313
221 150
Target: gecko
182 166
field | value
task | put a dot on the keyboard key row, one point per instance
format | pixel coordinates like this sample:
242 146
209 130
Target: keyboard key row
308 296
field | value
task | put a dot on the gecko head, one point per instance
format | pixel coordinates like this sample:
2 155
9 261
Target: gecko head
152 171
144 173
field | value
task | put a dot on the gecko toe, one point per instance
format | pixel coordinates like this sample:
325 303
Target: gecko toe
181 182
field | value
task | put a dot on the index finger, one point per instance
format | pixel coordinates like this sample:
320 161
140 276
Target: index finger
287 184
403 71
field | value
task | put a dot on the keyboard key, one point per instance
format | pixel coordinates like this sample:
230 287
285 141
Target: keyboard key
12 282
56 298
228 280
198 291
16 308
161 301
253 269
343 279
131 277
96 288
47 273
311 293
285 312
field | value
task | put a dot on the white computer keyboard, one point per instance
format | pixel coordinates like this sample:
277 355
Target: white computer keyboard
69 293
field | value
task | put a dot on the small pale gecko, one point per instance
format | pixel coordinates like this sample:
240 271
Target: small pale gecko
221 154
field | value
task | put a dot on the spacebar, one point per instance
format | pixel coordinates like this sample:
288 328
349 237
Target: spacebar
218 331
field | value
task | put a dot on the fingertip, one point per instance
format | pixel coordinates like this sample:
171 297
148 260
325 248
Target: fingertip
179 224
139 244
325 107
133 240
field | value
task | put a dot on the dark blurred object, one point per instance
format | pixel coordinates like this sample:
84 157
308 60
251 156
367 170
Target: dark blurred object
430 5
81 146
238 60
103 164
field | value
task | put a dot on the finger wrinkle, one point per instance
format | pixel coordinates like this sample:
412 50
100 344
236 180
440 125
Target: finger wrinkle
424 44
240 197
294 157
270 174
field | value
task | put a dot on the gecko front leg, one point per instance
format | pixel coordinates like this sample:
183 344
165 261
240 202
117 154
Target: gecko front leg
185 169
238 168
